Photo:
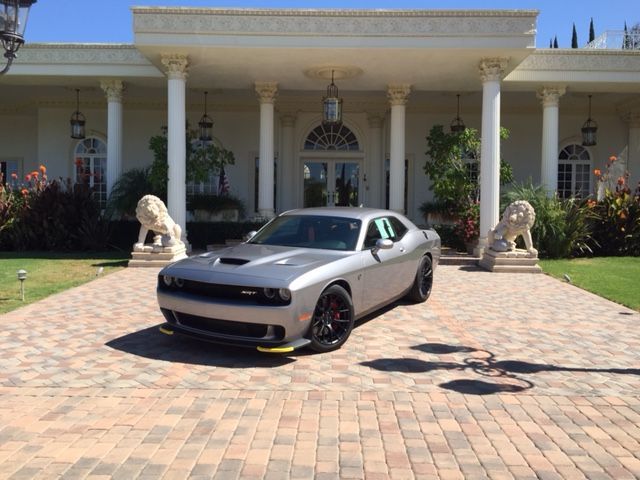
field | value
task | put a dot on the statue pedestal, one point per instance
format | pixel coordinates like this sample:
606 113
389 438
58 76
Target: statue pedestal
515 261
156 256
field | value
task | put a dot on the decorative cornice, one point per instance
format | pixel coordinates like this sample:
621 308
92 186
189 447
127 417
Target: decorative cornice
398 93
550 95
492 69
113 89
266 91
582 60
395 23
79 54
176 65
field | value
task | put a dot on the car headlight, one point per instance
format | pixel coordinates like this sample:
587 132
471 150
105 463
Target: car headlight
285 294
270 293
179 282
167 279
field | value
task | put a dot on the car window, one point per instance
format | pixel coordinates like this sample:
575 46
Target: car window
310 231
377 229
399 227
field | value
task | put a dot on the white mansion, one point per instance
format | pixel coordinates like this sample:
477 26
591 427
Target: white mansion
266 71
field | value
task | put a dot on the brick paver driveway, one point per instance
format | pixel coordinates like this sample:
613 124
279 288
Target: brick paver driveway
498 375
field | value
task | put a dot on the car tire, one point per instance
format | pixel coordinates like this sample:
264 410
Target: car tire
423 282
332 320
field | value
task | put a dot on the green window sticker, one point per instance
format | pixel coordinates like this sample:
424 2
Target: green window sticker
385 228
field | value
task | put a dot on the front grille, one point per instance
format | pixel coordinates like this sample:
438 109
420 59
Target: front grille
225 327
248 295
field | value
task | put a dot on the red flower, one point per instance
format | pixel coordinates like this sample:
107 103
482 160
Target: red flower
620 180
597 172
14 176
78 162
27 178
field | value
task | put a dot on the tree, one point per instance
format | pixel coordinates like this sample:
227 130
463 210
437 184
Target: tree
592 32
550 43
555 42
574 37
632 37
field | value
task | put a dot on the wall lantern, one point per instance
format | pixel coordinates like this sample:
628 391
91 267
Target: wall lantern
589 130
22 276
13 21
457 125
332 105
205 124
77 120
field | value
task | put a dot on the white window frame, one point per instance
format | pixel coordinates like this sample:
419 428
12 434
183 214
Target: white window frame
573 160
100 193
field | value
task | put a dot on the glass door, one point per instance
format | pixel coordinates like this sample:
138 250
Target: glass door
332 183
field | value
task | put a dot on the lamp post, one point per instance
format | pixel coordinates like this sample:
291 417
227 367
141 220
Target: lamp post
13 21
22 276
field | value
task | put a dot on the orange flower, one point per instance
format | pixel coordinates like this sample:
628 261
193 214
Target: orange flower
597 172
43 169
78 162
27 178
612 158
35 174
620 180
591 203
14 176
24 192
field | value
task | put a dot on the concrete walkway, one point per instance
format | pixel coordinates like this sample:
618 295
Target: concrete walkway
496 376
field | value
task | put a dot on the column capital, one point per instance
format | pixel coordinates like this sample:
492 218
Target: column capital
398 93
550 95
266 91
492 68
176 65
113 89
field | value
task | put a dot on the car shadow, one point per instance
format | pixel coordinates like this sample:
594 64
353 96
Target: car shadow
507 373
151 343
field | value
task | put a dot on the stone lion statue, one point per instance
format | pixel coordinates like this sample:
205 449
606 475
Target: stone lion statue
517 219
153 215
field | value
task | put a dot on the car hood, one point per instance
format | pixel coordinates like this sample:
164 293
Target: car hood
235 264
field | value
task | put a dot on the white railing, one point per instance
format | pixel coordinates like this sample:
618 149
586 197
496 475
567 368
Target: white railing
616 40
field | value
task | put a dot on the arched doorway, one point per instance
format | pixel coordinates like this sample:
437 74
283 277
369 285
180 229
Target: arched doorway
332 167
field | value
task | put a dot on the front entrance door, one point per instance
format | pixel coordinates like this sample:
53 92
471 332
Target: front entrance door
332 183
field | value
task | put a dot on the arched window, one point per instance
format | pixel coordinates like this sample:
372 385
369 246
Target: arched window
90 160
331 137
574 171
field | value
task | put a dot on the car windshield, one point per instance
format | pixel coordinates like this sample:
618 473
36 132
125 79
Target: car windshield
310 231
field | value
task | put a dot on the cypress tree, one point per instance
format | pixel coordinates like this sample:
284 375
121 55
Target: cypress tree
555 42
625 41
550 43
574 37
592 32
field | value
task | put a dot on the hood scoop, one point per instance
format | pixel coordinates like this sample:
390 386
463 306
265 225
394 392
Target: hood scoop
233 261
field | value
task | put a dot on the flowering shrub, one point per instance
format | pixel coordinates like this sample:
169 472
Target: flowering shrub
40 214
467 227
616 227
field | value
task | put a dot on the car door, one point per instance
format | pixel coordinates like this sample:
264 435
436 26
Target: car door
382 269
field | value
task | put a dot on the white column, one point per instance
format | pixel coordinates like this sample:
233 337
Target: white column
633 157
113 90
491 71
266 94
550 97
375 163
286 178
176 66
398 95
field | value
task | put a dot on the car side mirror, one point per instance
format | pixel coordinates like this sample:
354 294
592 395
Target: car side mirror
382 244
250 235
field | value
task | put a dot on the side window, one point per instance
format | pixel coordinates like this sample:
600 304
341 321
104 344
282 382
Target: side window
399 227
377 229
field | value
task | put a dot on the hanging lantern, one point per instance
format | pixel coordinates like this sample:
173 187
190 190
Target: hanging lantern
457 125
13 21
589 129
205 124
332 105
77 120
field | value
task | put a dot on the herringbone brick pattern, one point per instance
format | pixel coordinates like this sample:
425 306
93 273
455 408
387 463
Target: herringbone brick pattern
496 376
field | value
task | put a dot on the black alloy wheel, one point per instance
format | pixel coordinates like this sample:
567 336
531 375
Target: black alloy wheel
423 282
332 320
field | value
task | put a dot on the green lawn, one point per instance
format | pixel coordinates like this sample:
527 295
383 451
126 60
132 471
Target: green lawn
49 273
615 278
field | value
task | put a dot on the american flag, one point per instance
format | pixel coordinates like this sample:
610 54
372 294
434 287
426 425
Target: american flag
223 183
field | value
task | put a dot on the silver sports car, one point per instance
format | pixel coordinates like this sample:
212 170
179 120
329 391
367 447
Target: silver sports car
302 280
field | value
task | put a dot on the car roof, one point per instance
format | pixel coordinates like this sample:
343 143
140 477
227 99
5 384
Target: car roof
359 213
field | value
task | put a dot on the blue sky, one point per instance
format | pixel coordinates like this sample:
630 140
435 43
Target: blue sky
110 21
